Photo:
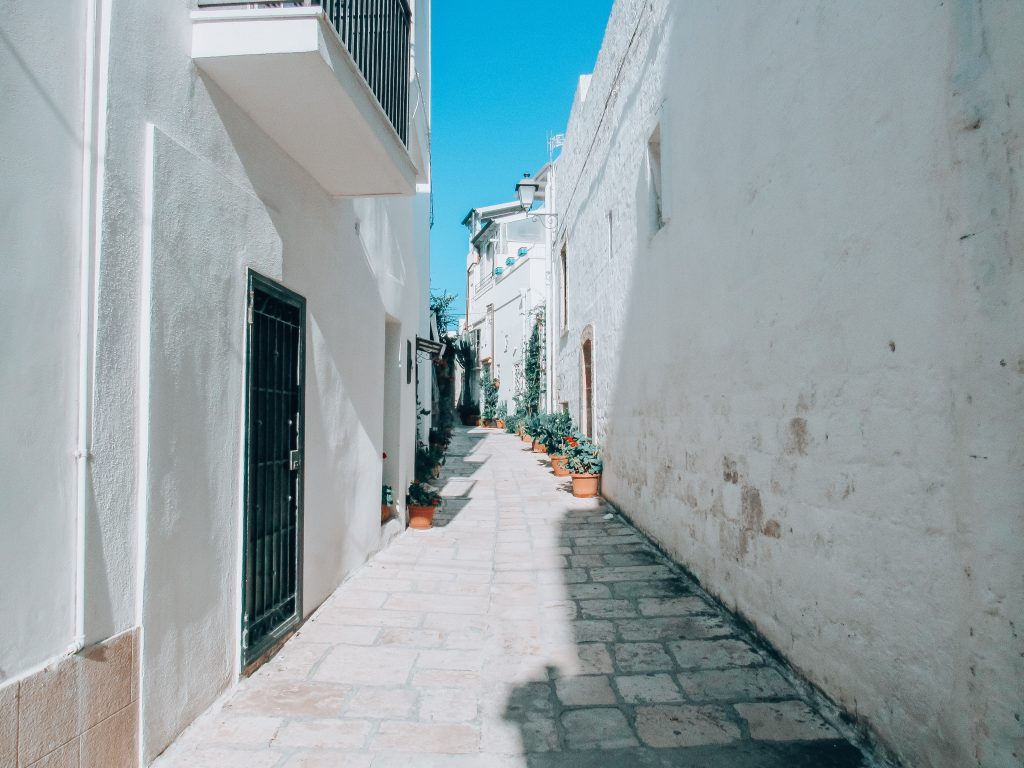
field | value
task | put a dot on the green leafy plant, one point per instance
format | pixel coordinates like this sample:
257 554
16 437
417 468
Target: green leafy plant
501 414
441 308
441 438
532 371
583 455
490 397
422 496
555 427
534 425
428 460
387 495
513 423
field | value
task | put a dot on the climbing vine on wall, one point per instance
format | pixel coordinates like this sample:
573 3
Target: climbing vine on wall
533 368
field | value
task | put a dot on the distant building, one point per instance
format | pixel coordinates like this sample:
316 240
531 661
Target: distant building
506 286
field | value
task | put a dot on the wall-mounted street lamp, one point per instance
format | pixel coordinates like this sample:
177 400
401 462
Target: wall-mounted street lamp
526 191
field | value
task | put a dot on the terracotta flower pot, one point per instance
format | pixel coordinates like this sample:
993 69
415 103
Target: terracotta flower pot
385 513
527 438
559 465
539 447
421 518
585 486
501 423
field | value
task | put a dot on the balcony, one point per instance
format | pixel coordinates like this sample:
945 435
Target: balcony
328 80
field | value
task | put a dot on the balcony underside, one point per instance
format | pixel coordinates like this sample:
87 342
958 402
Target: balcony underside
288 70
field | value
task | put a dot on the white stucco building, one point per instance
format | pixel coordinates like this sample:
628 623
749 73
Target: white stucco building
216 255
506 285
789 301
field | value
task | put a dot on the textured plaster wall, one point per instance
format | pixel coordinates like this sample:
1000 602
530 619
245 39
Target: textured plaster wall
42 61
810 380
171 355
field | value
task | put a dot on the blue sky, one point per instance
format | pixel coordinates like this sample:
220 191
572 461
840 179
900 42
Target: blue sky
504 76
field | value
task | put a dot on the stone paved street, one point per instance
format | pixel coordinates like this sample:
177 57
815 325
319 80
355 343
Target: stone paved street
527 628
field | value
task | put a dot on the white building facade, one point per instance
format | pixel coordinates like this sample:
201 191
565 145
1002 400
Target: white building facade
788 301
205 210
506 287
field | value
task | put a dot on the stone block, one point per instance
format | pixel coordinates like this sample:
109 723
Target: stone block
65 756
606 609
9 726
738 684
589 691
597 729
642 657
381 703
427 737
785 721
324 734
447 705
113 743
666 727
675 628
648 689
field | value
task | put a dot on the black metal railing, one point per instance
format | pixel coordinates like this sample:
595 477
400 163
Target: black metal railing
376 34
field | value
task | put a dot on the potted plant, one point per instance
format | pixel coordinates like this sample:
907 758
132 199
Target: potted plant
557 427
512 424
422 502
387 501
470 414
583 458
535 428
501 415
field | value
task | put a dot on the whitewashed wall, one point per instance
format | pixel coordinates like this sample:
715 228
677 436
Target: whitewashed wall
192 194
810 381
42 61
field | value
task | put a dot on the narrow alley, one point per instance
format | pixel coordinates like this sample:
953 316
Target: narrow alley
528 628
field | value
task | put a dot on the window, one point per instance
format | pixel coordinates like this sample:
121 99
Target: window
655 178
565 290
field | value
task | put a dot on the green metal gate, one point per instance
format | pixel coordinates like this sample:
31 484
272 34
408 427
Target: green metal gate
275 369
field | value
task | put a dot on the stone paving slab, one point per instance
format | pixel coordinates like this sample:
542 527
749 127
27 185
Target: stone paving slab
527 629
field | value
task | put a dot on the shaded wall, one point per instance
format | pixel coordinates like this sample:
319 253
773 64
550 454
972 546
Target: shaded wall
42 79
809 380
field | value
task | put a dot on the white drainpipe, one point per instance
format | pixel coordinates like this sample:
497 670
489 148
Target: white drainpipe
92 164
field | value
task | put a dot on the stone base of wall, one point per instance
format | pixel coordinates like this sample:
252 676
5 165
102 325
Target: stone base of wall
80 712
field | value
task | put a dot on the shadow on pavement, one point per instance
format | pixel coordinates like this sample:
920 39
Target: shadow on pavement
657 675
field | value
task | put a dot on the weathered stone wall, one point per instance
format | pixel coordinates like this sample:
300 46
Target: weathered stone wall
810 379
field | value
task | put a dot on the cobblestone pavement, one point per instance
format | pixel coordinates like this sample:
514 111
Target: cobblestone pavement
527 628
